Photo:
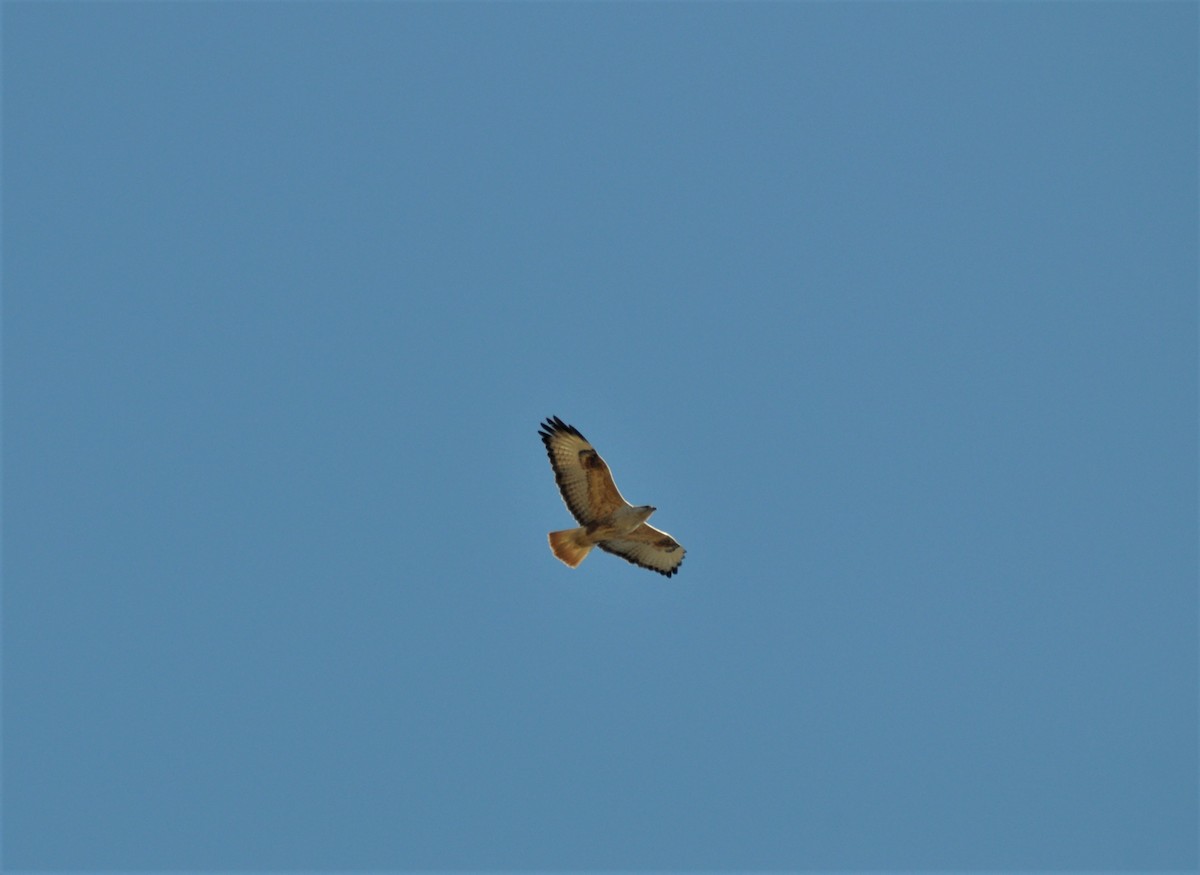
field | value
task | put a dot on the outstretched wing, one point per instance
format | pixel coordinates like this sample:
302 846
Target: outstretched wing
648 547
583 479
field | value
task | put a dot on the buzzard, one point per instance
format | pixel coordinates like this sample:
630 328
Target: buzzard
606 519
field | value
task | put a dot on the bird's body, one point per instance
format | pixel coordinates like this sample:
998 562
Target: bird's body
606 519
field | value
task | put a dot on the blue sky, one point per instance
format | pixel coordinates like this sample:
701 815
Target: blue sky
889 310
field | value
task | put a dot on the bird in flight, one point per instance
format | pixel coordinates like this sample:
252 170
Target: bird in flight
606 520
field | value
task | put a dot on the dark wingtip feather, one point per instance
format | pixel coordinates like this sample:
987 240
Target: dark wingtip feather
553 425
674 570
633 561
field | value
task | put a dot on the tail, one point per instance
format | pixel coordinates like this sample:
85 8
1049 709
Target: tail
570 545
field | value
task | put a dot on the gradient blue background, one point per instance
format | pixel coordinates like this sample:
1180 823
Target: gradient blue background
890 310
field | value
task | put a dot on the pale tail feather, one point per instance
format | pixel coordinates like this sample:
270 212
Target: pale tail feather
570 545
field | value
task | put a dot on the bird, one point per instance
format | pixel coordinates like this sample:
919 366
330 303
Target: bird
606 519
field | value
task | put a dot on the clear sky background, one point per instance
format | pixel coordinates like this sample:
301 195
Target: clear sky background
890 310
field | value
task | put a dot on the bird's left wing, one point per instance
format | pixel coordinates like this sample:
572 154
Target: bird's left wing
583 478
648 547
